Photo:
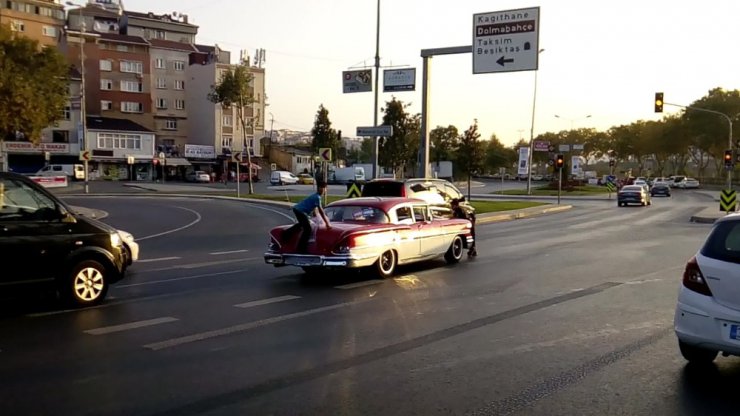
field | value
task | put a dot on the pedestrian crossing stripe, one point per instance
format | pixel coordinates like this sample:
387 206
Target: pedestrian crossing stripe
728 200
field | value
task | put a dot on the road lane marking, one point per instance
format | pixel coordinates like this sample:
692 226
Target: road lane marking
131 325
290 217
266 301
218 253
359 284
177 279
174 342
197 220
199 265
159 259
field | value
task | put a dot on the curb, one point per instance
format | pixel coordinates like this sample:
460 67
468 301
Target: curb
523 213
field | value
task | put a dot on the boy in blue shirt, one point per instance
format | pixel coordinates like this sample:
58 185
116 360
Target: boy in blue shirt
303 210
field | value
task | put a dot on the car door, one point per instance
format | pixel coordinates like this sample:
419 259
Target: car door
409 245
34 241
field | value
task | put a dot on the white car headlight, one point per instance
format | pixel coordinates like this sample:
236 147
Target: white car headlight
115 240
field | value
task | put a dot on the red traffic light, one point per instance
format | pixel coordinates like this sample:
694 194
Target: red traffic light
559 161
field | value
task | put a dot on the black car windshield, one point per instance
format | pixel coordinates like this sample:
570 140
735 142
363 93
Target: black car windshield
356 213
632 188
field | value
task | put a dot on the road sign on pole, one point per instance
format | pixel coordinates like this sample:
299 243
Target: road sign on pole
325 154
506 41
85 155
377 131
728 200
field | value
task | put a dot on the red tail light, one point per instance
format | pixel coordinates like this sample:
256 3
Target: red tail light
694 280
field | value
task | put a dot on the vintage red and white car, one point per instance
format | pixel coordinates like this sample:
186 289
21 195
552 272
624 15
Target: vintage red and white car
374 232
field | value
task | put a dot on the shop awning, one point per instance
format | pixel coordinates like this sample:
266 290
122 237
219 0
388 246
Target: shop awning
176 161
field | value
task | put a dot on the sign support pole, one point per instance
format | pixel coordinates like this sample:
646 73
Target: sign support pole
560 183
238 162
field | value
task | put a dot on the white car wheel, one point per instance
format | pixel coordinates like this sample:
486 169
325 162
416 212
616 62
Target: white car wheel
455 252
386 264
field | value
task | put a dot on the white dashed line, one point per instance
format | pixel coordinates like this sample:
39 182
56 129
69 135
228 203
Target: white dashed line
159 259
174 342
359 284
218 253
131 325
261 302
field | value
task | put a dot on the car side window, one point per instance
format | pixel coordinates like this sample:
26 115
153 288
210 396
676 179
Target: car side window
404 215
421 214
724 242
20 202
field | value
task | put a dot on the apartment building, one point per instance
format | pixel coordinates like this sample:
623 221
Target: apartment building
41 20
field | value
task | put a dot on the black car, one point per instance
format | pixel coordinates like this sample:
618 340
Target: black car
438 193
43 242
660 189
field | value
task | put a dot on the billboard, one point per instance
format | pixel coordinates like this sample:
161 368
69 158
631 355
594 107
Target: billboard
357 81
523 161
399 80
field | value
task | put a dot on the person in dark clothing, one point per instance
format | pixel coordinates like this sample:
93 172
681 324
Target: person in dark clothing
460 212
302 211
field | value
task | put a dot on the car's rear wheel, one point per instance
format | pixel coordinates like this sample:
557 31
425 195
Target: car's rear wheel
455 252
696 355
386 264
87 284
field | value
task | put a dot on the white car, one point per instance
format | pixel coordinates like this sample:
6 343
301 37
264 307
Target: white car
707 318
281 177
132 247
198 176
688 183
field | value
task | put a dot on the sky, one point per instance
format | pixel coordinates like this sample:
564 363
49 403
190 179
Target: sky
604 59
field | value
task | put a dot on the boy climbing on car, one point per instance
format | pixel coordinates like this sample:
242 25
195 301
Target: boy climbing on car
460 212
302 211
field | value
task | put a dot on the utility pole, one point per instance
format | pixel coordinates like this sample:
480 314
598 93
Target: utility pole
376 173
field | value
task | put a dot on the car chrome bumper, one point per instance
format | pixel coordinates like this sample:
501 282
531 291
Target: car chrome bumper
312 260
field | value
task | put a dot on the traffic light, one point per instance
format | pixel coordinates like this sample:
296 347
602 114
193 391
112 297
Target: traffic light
559 161
658 102
729 163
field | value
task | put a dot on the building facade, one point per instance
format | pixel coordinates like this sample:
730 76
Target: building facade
41 20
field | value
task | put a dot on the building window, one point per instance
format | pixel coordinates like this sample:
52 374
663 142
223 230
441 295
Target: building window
60 136
132 107
122 48
228 121
161 83
132 67
179 84
179 104
159 34
17 26
170 124
179 65
49 31
67 113
106 84
161 103
106 65
119 141
131 86
160 63
227 141
106 105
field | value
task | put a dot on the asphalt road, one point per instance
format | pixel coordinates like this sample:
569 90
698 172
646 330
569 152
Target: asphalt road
559 315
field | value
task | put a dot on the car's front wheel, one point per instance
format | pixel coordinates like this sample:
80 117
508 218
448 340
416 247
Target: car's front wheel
696 355
455 252
87 284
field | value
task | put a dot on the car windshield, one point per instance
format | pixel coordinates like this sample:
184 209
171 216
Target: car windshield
356 213
632 188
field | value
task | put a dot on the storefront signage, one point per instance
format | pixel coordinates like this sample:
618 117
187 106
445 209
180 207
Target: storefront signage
195 151
28 147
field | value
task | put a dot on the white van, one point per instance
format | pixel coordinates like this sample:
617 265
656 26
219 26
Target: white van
282 177
72 171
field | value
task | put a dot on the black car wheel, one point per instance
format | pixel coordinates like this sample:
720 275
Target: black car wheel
86 284
696 355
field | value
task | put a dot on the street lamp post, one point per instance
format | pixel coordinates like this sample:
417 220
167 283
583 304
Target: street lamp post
83 108
272 119
531 132
572 120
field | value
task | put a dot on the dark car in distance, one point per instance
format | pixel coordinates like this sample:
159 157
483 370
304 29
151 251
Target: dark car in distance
44 243
660 189
633 194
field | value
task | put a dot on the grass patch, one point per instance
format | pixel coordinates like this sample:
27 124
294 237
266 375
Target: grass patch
498 206
544 191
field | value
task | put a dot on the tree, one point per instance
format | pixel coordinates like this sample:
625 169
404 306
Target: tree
401 149
235 89
366 150
497 155
444 141
470 152
323 134
33 86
